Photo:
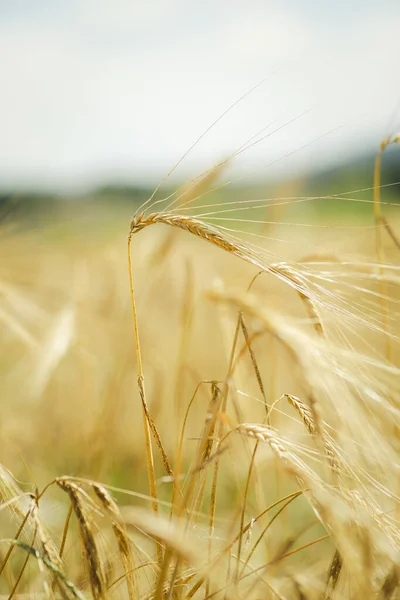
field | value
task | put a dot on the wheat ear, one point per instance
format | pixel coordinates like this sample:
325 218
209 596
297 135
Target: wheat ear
121 536
205 232
95 569
306 416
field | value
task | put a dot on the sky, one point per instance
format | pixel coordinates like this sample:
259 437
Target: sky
100 91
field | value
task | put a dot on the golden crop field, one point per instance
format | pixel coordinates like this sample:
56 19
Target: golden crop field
202 399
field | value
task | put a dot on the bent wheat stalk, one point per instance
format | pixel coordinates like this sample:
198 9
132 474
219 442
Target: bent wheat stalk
148 423
212 235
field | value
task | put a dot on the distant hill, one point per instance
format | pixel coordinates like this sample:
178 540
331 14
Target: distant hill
354 175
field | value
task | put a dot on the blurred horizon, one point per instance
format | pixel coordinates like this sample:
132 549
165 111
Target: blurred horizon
358 169
99 93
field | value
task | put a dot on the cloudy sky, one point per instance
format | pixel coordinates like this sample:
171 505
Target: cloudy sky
107 90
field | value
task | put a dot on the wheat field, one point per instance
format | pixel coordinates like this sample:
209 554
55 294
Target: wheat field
201 399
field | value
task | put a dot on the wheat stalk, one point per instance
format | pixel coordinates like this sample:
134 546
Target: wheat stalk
96 574
142 392
381 223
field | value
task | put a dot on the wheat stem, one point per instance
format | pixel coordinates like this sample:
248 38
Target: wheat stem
149 451
380 225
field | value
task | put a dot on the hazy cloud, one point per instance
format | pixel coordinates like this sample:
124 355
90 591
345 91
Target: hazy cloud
101 89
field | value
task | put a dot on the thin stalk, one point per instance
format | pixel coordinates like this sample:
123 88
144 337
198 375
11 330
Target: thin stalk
213 496
12 593
266 528
149 451
9 551
243 511
64 538
380 225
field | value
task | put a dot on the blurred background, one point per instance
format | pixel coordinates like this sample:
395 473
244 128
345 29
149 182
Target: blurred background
99 100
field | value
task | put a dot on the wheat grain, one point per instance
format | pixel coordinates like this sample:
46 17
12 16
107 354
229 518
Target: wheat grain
91 553
307 418
121 536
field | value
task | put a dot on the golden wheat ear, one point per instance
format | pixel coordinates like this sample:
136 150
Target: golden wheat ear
121 536
95 567
215 237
